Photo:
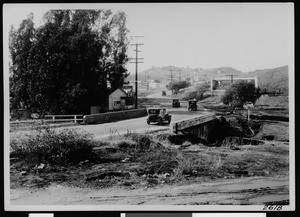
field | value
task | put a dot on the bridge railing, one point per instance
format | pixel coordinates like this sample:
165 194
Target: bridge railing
191 122
63 118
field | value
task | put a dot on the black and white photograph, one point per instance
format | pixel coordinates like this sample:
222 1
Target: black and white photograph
149 106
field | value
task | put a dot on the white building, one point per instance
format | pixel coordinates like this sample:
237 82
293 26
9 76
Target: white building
119 100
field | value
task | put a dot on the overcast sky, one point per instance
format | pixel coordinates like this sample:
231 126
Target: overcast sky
243 36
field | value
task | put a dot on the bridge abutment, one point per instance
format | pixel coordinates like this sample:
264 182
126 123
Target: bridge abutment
208 128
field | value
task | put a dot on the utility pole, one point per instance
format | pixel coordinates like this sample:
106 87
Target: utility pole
136 68
231 77
171 79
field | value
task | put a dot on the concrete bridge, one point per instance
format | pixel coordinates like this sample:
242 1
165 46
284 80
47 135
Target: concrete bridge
206 127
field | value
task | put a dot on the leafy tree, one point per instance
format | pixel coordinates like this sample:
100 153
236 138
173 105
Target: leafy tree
116 65
64 61
176 86
239 93
68 61
20 43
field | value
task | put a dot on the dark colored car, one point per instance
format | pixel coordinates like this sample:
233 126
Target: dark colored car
176 103
192 105
158 115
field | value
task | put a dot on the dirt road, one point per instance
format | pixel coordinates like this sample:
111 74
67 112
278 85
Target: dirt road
242 191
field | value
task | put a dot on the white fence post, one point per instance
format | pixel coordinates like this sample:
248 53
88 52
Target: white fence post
75 117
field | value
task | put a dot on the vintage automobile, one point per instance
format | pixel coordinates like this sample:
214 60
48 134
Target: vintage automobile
158 115
176 103
192 105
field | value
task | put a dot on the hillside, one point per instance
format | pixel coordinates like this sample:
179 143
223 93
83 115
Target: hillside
161 73
180 73
272 79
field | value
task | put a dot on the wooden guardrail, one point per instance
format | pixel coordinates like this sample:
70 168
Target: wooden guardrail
63 118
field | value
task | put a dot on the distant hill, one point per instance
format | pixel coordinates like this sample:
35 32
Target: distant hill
221 71
163 73
272 79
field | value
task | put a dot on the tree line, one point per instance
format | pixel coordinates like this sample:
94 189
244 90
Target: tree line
69 63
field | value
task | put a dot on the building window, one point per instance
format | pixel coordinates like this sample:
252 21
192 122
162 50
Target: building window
129 101
116 103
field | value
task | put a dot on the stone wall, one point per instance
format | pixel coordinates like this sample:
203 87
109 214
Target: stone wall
114 116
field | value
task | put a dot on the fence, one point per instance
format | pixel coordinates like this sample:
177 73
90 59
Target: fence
63 118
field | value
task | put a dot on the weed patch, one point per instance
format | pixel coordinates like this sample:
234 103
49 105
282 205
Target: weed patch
137 160
47 146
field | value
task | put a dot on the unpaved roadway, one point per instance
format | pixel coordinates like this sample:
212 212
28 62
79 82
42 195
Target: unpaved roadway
242 191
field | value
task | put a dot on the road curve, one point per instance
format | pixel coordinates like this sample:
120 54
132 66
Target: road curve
137 125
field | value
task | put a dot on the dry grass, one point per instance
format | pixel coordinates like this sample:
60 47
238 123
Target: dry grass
148 160
278 131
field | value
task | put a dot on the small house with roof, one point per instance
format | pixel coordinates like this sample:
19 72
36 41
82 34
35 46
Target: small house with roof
120 100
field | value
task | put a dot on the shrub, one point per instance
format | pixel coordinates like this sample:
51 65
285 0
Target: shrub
239 93
176 86
143 142
56 148
185 165
126 145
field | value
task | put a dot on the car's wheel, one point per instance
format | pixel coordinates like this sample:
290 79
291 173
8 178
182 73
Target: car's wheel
159 121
